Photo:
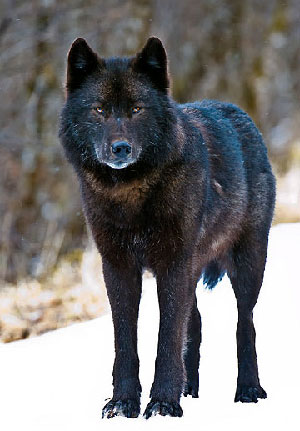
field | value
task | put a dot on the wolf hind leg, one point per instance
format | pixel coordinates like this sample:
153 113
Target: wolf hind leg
246 275
192 354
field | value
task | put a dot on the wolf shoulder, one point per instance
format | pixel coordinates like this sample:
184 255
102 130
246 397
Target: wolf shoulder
225 126
221 117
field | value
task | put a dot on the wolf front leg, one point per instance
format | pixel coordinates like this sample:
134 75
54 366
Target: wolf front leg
175 302
123 282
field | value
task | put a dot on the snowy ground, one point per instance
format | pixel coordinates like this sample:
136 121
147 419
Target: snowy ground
59 381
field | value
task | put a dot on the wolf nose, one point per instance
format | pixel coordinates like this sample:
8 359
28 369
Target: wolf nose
121 149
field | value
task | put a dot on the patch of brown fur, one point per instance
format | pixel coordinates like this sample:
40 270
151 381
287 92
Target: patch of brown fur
132 193
204 132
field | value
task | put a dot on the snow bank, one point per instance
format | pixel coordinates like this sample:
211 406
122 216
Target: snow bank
59 381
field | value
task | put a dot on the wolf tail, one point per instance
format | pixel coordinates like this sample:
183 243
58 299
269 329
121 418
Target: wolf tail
212 274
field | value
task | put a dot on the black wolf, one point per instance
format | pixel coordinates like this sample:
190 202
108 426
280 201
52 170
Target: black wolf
183 190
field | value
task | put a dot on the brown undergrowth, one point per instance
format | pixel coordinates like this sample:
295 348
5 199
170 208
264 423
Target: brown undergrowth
75 292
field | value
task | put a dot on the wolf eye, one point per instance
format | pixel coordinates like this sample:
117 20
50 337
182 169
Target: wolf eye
99 110
136 109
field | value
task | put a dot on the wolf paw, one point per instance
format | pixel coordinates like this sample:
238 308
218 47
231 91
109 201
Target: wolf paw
128 408
249 394
190 389
163 408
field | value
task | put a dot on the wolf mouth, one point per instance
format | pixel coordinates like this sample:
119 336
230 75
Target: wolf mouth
119 164
116 163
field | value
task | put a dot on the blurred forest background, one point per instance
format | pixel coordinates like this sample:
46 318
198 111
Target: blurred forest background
246 52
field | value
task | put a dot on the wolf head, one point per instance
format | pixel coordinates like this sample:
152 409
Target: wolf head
117 111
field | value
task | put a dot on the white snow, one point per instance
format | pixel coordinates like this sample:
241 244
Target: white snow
59 381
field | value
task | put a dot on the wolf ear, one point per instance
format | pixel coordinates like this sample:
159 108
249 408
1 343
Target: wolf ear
152 61
81 62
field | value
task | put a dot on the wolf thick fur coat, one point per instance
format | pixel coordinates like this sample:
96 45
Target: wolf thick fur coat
185 191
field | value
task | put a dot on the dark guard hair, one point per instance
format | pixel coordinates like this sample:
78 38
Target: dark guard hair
185 191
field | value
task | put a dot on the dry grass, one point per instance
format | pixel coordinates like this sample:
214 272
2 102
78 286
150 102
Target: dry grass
75 292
